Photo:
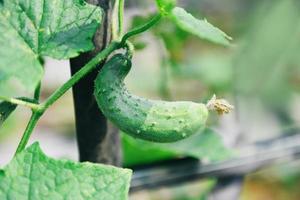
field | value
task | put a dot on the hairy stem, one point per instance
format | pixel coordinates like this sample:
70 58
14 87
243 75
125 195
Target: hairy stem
28 131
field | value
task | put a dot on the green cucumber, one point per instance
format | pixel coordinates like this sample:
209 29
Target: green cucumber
152 120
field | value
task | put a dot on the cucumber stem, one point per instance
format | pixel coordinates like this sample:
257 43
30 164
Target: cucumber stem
129 49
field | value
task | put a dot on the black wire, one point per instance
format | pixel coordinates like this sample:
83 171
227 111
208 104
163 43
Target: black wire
187 169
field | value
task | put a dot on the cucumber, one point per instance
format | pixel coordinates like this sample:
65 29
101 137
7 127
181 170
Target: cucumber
152 120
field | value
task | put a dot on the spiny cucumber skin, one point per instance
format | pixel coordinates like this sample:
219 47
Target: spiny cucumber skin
152 120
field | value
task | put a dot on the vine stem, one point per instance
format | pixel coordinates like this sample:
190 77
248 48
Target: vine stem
39 109
121 17
117 20
33 106
29 129
141 29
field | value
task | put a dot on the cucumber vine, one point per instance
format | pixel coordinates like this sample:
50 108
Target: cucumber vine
121 41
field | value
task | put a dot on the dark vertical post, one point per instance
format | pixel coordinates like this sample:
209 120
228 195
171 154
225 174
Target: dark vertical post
98 140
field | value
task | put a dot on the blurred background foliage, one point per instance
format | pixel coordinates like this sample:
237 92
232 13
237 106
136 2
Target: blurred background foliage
259 73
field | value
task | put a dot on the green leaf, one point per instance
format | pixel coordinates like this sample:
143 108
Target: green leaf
6 109
31 175
200 28
30 29
207 145
165 6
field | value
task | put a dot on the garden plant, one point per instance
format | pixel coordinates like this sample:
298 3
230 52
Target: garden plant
33 29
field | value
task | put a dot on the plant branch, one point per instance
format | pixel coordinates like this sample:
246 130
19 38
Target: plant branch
28 131
140 29
33 106
120 17
117 19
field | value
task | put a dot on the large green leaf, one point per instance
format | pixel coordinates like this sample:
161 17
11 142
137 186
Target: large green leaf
31 175
200 28
30 29
206 145
6 109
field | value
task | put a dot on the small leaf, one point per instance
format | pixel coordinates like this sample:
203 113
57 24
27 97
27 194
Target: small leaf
33 29
200 28
165 6
6 109
31 175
